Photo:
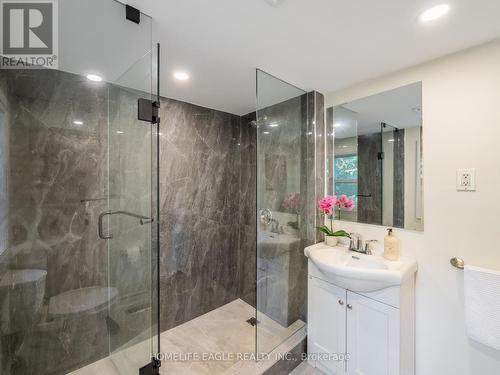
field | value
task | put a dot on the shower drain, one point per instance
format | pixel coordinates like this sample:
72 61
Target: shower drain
252 321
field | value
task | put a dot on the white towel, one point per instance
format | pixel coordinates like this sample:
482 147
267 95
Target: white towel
482 305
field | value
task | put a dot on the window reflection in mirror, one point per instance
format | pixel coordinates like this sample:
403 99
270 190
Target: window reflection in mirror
376 157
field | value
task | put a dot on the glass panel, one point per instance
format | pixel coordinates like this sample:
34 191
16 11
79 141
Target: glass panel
132 221
55 319
389 138
281 120
59 294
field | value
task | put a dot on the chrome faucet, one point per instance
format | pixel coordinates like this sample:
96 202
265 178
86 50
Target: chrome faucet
368 246
356 243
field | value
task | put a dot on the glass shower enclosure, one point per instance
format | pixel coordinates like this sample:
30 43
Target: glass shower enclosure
282 141
79 196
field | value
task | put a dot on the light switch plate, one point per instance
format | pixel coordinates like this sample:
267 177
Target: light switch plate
466 180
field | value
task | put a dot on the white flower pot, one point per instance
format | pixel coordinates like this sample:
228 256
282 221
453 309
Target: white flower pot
331 240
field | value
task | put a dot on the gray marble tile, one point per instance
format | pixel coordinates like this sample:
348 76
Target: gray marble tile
248 211
207 212
55 166
369 179
201 202
321 137
399 179
312 179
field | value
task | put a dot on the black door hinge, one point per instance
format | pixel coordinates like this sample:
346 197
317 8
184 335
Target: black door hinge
132 14
380 156
148 111
152 368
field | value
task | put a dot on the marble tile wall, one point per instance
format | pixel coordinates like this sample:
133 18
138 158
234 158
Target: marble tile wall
200 205
208 208
207 212
313 177
281 263
321 137
248 211
57 184
53 165
369 179
399 179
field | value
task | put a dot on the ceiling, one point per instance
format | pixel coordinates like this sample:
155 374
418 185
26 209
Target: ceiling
400 108
323 45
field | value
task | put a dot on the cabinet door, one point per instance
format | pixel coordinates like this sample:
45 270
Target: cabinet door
372 337
326 325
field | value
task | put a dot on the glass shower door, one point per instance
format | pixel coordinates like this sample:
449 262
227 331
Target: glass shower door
281 193
132 217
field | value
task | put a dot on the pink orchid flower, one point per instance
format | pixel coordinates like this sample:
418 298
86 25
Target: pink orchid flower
327 204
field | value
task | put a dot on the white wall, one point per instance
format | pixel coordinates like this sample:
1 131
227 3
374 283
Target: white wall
413 182
461 116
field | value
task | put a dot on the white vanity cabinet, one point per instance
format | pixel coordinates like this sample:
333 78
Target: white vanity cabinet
375 330
327 323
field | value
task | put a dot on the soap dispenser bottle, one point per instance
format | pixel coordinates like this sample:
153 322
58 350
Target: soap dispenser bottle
391 246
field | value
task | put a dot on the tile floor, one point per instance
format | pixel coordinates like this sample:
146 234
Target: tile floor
223 330
306 369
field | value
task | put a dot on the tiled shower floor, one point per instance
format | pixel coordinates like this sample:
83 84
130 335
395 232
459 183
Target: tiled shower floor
223 330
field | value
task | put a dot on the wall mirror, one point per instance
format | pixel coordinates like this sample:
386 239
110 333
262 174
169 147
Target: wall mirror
375 156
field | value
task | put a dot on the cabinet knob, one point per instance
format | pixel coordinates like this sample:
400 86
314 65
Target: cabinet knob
349 306
341 302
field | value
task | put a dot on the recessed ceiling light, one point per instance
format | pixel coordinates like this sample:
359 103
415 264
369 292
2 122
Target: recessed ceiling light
434 13
94 78
78 122
390 140
274 124
119 132
265 133
309 133
181 76
337 125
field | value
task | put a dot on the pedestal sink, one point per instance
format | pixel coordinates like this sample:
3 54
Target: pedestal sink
359 272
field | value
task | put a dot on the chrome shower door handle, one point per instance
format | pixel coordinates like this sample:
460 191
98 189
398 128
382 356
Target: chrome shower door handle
100 227
143 220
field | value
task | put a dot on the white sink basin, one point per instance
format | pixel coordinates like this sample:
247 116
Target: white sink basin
359 272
